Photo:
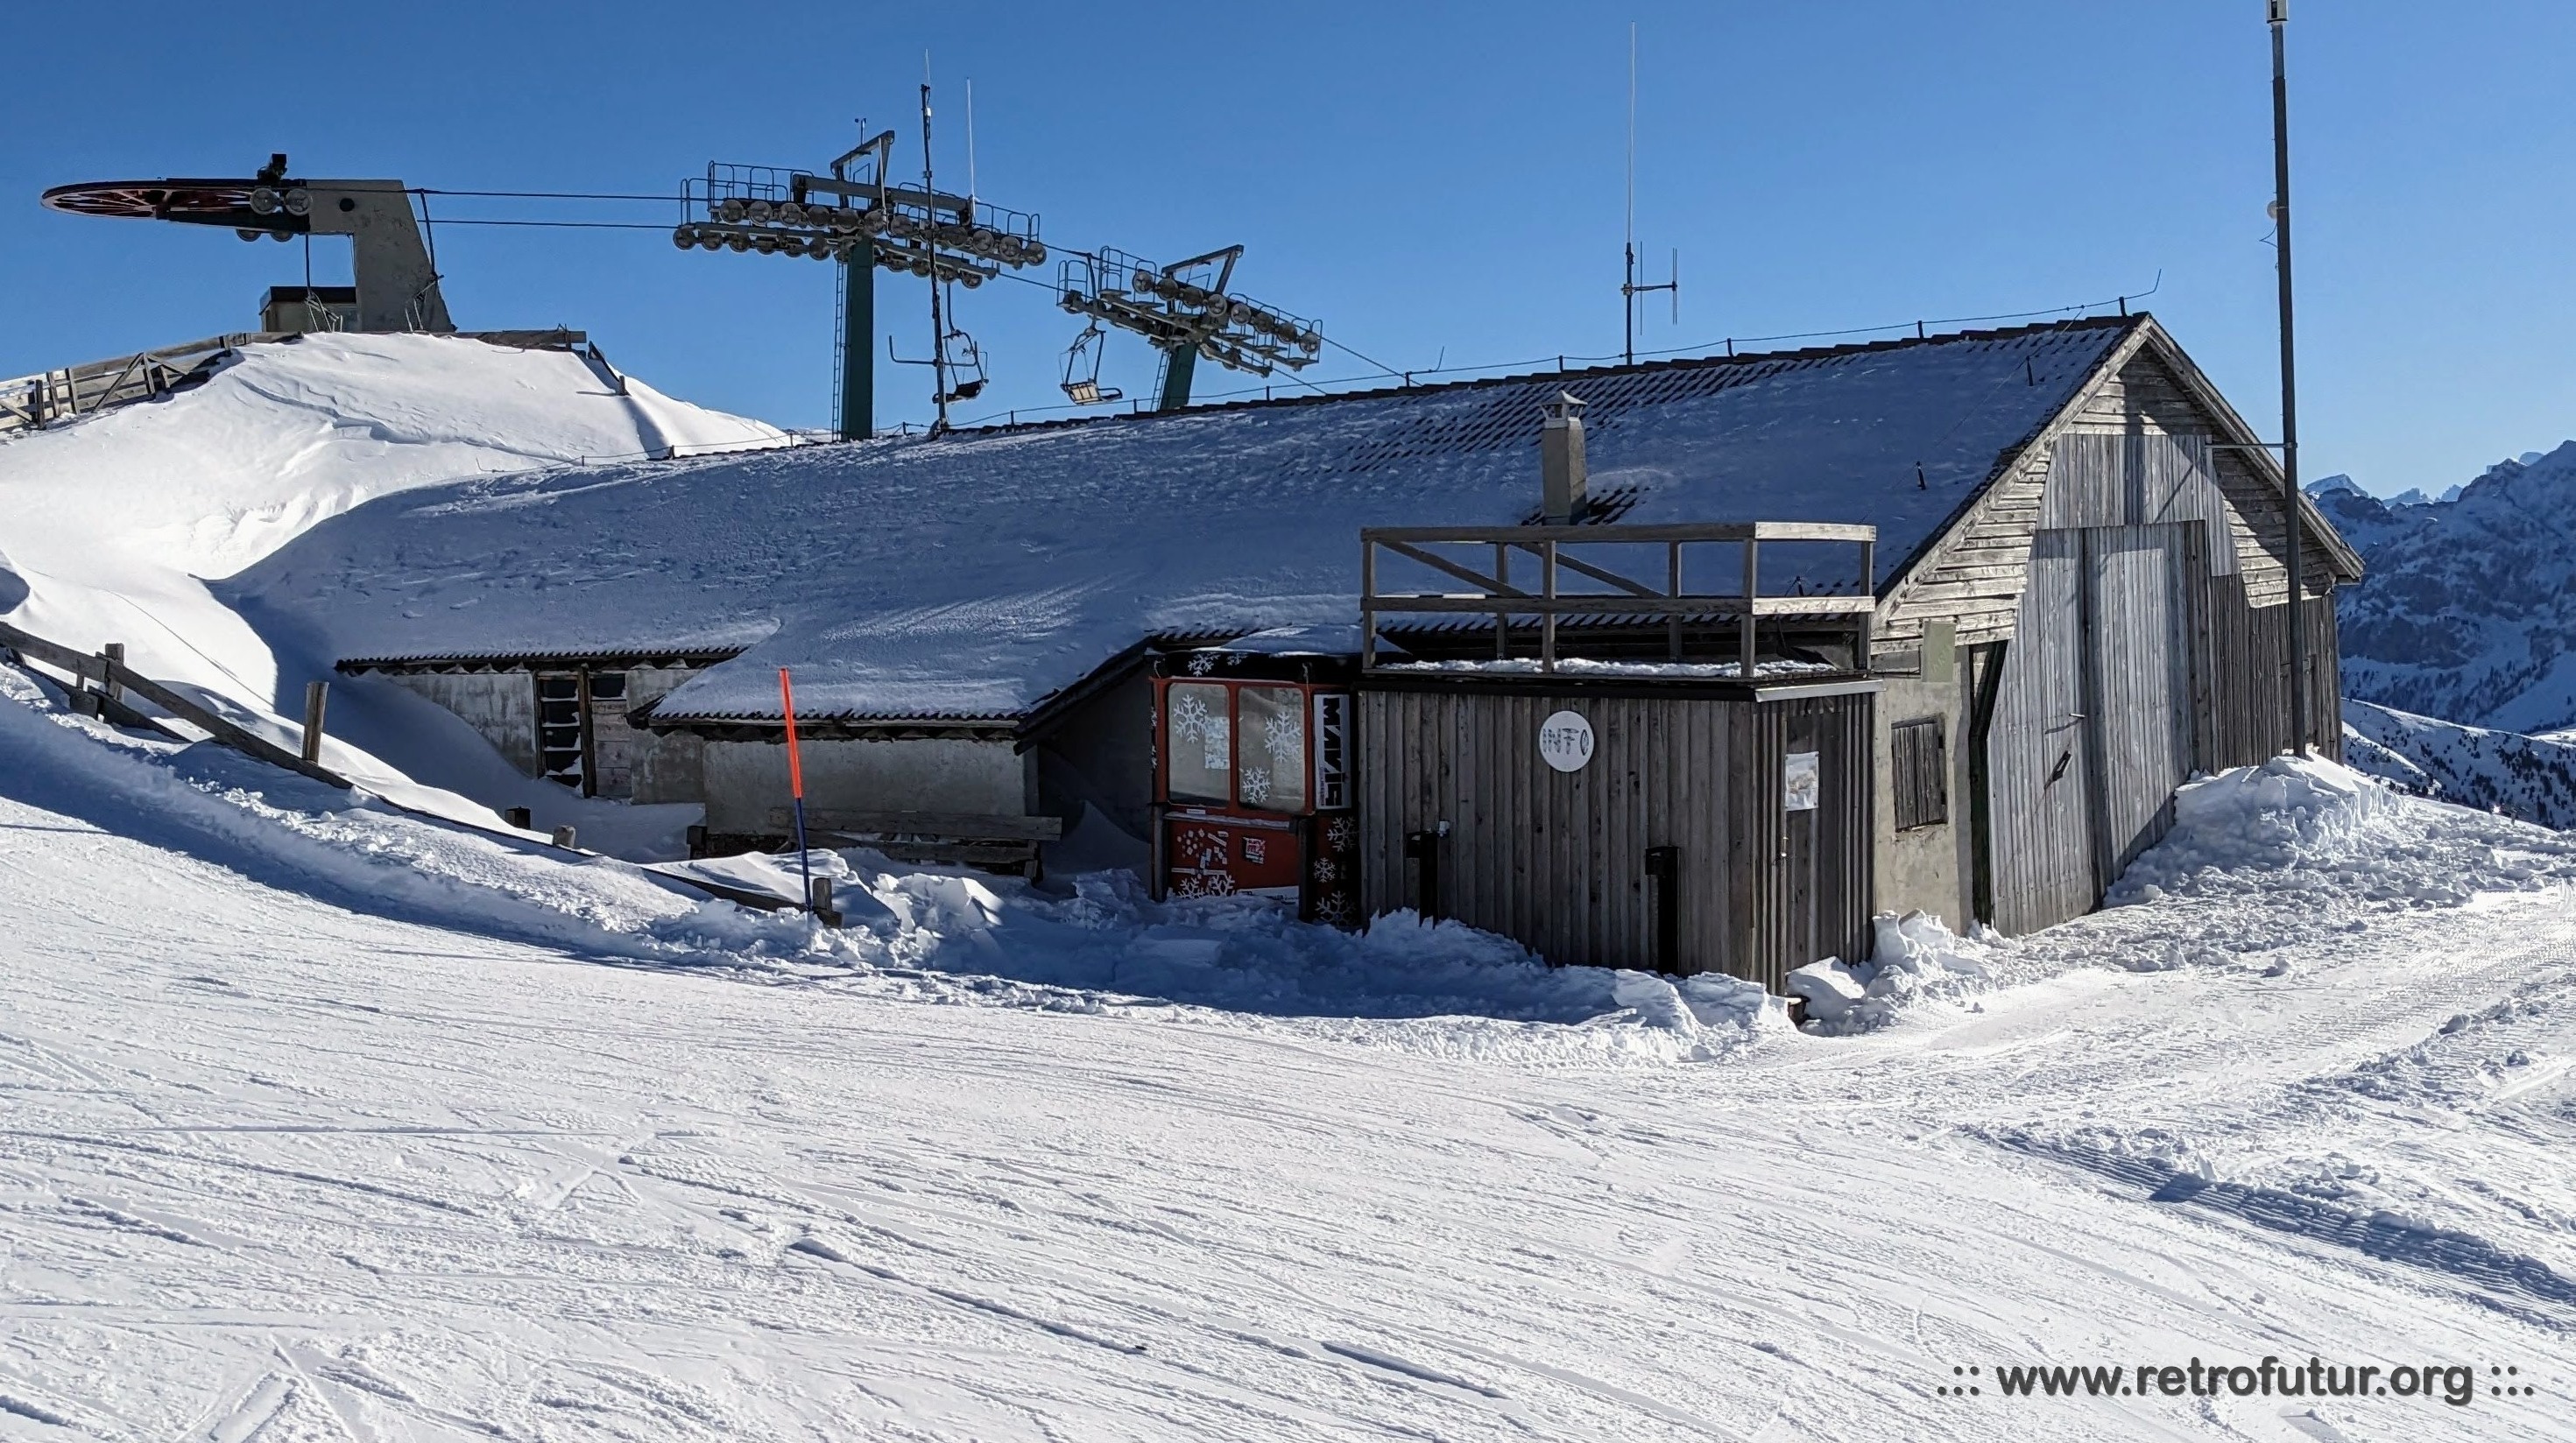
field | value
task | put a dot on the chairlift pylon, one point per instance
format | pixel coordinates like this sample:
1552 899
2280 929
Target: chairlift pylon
1082 369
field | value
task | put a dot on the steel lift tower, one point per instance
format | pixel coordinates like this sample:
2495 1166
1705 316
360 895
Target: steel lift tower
397 283
860 217
1184 311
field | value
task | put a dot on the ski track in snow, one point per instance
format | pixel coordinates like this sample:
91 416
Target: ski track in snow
277 1166
319 1122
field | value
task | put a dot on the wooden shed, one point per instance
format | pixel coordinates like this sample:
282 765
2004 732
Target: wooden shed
1672 775
2104 619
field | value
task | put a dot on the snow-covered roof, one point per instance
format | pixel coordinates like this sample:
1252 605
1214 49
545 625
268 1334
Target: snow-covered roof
974 574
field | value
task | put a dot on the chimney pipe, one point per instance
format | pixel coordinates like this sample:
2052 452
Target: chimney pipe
1560 461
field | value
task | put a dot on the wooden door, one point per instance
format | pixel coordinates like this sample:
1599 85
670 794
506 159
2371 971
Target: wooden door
2038 749
2139 630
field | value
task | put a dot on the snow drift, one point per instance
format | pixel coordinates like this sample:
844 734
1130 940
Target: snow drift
111 523
1431 987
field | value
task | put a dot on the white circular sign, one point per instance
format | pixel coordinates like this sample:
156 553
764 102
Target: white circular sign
1565 741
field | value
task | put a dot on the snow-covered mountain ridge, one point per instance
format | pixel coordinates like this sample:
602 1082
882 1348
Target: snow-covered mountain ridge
2469 608
2530 777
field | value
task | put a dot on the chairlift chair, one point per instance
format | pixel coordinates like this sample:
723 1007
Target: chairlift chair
966 362
1082 370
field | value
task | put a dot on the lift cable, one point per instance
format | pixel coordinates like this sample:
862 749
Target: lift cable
1560 360
545 194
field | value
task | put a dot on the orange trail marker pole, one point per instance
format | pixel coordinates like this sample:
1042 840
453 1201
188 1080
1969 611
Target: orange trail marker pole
796 784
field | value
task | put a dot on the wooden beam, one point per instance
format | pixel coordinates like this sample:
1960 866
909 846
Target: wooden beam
1492 584
1585 568
1659 608
1617 535
976 826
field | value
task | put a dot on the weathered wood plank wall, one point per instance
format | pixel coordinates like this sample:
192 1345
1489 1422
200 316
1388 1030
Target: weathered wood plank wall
2139 633
2039 751
1974 576
1557 860
2249 661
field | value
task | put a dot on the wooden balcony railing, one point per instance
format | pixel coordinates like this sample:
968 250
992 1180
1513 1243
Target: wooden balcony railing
1573 581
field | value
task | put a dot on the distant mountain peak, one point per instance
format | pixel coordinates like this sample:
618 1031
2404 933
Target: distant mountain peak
2468 609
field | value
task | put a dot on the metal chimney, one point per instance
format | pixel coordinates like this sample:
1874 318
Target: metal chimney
1560 461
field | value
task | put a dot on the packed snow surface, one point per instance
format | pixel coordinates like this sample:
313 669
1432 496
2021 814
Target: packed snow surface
973 574
326 1122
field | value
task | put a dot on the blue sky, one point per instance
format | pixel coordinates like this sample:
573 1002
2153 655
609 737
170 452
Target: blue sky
1436 182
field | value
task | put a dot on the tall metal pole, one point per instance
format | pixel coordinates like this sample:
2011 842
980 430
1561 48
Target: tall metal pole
2279 15
1628 279
938 321
858 339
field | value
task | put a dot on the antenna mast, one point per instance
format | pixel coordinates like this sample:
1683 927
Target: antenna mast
1629 289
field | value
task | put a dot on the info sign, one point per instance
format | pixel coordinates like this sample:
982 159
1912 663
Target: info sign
1803 782
1565 741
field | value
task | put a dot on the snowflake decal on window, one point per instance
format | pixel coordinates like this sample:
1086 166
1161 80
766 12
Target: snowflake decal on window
1256 785
1193 721
1284 733
1341 834
1202 662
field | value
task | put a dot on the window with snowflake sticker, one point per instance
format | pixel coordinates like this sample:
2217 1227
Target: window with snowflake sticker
1271 772
1196 737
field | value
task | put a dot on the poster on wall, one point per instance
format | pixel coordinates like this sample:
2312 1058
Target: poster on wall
1803 783
1332 751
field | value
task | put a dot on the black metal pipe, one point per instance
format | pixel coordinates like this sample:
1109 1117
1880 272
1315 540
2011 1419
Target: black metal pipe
2279 15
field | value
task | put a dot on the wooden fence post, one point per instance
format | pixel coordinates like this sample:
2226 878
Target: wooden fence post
317 697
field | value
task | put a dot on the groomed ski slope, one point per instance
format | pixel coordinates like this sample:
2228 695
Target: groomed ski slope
322 1122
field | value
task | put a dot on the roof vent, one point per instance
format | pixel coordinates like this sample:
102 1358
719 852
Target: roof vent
1560 461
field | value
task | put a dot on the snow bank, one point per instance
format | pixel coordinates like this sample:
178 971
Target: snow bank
288 832
942 935
1914 958
1445 988
2273 816
2263 867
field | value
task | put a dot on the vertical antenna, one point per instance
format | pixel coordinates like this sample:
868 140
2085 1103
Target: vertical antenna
1629 288
1628 277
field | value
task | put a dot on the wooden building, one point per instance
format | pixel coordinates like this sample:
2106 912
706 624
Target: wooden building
2074 599
1665 775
